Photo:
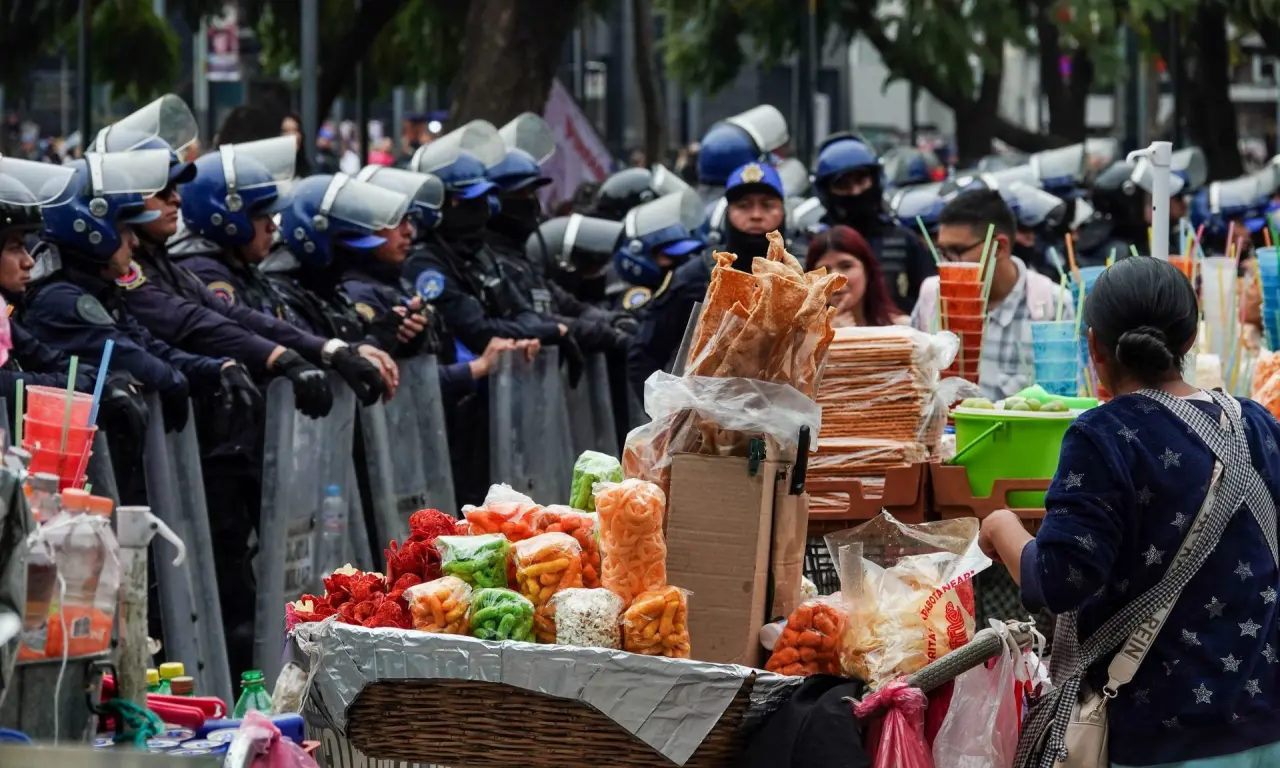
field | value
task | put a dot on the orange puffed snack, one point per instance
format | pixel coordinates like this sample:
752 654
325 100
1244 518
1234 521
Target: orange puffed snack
582 527
440 605
546 564
633 552
809 644
509 518
657 624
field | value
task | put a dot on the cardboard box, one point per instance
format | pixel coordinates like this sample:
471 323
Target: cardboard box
720 546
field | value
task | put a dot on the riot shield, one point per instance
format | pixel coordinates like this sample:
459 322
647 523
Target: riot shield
406 450
190 609
530 447
101 472
590 406
302 459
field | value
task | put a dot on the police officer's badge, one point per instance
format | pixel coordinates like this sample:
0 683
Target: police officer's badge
903 284
365 310
636 298
752 174
91 311
223 290
429 285
134 279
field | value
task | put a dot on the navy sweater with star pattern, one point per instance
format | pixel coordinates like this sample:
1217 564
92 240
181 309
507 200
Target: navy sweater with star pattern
1130 480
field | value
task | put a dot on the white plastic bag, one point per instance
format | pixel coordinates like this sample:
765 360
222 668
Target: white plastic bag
981 726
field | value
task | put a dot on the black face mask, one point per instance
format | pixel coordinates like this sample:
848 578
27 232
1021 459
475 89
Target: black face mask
860 211
518 218
745 246
466 218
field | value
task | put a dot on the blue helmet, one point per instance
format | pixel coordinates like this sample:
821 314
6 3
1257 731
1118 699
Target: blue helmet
907 166
738 140
327 211
425 192
166 123
842 154
236 184
665 226
518 170
922 200
1245 198
25 185
528 143
1061 171
106 191
461 159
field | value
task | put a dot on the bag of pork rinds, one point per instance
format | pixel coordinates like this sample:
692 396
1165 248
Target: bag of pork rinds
908 590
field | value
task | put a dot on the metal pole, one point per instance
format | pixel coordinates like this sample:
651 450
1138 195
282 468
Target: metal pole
84 96
362 104
310 70
200 82
579 62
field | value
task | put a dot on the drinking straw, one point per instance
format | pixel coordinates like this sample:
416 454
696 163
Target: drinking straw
986 249
1056 260
1079 311
71 396
1272 233
17 415
1063 293
1071 260
1133 249
928 240
1266 233
1112 258
1151 241
1231 236
103 368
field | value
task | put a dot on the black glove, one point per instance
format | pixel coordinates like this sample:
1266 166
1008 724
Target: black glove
311 393
625 322
123 410
362 376
571 354
239 393
383 331
175 405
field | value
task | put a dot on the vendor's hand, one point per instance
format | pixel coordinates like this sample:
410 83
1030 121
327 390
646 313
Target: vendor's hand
994 528
483 365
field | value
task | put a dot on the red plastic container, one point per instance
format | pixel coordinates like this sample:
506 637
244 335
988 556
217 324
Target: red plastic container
959 271
956 290
48 435
954 306
49 404
69 467
968 324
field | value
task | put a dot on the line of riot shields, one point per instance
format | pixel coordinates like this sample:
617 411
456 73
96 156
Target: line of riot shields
380 463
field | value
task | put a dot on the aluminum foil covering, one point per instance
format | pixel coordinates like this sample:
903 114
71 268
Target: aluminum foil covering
669 704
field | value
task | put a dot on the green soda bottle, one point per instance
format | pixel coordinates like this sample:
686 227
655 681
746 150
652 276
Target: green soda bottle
253 695
168 671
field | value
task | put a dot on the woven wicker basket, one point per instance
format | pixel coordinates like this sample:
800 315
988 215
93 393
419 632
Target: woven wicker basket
469 724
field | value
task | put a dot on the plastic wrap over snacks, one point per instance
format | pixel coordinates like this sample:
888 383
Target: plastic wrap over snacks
669 704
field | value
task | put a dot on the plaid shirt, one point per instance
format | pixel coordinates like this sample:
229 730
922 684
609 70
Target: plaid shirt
1006 367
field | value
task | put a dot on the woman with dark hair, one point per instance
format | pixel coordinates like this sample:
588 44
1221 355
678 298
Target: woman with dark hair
1158 550
864 300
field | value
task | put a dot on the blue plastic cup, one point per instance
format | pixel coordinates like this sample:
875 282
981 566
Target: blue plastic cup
1054 351
1088 276
1049 330
1268 261
1064 388
1057 371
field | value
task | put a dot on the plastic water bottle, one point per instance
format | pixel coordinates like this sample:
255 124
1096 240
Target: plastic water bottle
253 695
333 532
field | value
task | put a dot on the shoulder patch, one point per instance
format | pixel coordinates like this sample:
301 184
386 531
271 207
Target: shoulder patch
666 283
134 279
365 310
91 310
636 298
8 310
223 290
429 285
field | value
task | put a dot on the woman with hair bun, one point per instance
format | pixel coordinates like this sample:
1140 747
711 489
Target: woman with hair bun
1158 549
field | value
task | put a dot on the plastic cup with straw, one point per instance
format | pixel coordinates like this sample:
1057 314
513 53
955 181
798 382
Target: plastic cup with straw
71 396
1063 293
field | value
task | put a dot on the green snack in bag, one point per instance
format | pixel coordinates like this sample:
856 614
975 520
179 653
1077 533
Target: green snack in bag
481 561
592 467
501 614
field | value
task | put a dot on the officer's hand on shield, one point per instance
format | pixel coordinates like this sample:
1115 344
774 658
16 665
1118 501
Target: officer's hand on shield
238 389
311 393
415 322
175 406
483 365
123 409
625 322
384 362
574 361
361 374
531 348
385 329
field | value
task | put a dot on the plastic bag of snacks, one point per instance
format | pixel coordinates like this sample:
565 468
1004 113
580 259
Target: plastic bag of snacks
909 592
440 605
633 551
546 564
591 468
656 624
587 618
500 614
504 511
809 644
582 527
481 561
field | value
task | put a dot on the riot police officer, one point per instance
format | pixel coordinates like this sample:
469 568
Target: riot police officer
921 201
909 167
1244 200
754 206
848 182
629 187
735 141
1118 221
1188 171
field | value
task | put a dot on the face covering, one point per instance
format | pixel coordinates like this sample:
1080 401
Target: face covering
518 218
466 218
861 211
745 246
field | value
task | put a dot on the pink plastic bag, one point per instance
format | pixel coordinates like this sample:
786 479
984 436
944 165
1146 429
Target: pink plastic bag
258 744
981 726
899 741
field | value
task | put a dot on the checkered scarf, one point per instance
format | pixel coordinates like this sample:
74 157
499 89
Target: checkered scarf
1043 735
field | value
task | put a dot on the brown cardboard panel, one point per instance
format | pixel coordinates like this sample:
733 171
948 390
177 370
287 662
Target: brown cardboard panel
718 546
790 529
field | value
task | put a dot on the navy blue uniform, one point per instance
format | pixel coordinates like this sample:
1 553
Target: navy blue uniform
33 362
478 299
77 312
664 319
904 260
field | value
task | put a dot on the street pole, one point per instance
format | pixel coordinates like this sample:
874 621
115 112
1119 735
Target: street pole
310 70
84 96
362 103
802 134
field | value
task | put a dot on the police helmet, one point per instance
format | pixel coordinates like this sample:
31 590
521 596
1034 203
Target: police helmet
738 140
106 190
236 184
630 187
575 244
1033 207
425 192
166 123
922 201
1245 198
25 185
1188 171
328 211
1061 171
461 159
528 143
1115 193
908 166
658 227
841 154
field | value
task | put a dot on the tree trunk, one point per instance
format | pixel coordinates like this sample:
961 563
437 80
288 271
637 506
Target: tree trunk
1213 113
655 120
1066 98
338 62
509 58
976 129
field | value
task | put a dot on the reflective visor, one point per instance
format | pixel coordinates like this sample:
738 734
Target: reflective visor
362 204
277 156
143 172
168 118
32 183
664 182
531 134
478 138
421 188
679 209
764 124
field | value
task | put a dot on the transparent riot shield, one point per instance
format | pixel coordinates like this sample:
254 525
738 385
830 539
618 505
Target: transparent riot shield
303 459
590 406
101 472
530 446
406 450
190 610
